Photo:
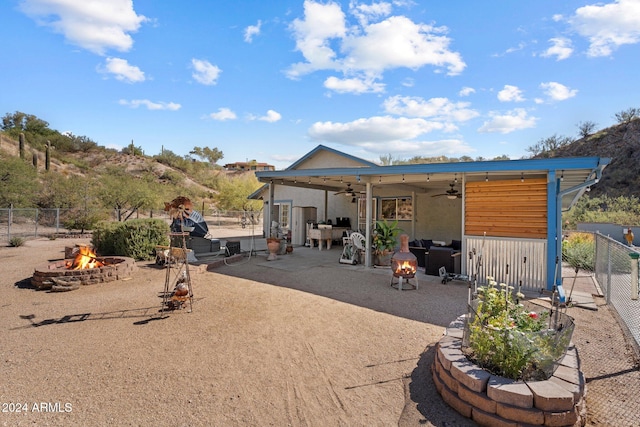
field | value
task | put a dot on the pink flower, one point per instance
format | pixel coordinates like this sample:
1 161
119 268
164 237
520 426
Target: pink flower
533 315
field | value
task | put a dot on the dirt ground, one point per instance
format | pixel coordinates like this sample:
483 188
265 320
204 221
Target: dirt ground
263 346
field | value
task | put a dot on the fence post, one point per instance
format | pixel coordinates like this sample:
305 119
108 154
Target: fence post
37 218
608 296
57 221
9 222
634 275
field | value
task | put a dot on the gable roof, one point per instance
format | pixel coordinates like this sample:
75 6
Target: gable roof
322 148
347 160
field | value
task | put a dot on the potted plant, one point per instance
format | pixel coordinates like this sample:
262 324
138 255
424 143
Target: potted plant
385 240
273 245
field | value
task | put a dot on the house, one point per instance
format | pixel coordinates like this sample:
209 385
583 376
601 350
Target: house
248 166
506 214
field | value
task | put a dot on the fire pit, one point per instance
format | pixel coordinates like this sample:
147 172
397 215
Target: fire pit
404 265
86 268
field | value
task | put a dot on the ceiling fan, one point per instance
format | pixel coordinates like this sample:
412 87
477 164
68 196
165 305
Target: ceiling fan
347 192
451 193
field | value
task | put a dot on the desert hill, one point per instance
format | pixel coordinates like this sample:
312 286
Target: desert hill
620 143
99 160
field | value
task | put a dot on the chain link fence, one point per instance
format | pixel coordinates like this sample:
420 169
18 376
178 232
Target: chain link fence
613 272
34 223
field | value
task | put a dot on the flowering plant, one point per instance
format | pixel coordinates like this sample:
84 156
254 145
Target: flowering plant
508 339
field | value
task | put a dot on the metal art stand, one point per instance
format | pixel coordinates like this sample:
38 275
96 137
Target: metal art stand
407 285
177 276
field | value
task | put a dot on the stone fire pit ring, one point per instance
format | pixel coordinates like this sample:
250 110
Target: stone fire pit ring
57 277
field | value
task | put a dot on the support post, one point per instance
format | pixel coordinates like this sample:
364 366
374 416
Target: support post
634 275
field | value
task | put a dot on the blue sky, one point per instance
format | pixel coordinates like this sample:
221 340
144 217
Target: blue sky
270 80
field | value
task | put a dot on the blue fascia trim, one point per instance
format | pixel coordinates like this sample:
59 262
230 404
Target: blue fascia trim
566 163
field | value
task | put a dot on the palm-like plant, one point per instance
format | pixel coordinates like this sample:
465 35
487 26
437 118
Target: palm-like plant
385 236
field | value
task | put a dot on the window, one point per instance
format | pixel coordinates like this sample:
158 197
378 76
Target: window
396 208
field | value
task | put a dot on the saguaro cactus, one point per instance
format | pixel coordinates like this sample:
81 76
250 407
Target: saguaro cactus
35 160
21 145
47 157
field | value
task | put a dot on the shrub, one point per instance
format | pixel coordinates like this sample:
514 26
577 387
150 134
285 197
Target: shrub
16 241
81 219
136 238
578 250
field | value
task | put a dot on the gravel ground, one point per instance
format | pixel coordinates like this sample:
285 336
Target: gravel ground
265 344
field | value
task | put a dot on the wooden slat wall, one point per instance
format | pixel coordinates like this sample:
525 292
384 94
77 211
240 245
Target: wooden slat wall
509 208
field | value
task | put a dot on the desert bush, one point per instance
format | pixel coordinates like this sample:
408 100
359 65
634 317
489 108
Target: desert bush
16 241
135 238
578 250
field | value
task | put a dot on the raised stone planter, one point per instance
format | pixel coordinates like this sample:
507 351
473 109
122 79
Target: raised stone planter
497 401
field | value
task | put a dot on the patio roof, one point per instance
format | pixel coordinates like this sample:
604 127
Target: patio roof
574 174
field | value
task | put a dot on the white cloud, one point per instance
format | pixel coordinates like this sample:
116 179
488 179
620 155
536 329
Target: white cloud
354 85
561 48
377 129
441 109
313 34
510 94
399 42
251 31
608 26
205 72
466 91
223 114
135 103
271 117
366 12
365 50
408 82
516 119
557 92
122 71
92 25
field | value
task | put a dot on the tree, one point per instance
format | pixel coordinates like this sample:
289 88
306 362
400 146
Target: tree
233 193
125 194
212 155
626 116
386 160
18 183
586 128
547 147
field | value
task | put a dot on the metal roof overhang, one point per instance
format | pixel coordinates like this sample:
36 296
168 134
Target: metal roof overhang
574 175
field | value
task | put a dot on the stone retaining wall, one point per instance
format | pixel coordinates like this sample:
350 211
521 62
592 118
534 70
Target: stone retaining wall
496 401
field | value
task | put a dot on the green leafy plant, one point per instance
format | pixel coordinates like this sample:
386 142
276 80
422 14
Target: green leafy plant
578 250
509 339
385 236
135 238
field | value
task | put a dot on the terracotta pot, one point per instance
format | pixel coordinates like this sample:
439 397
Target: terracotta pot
274 246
